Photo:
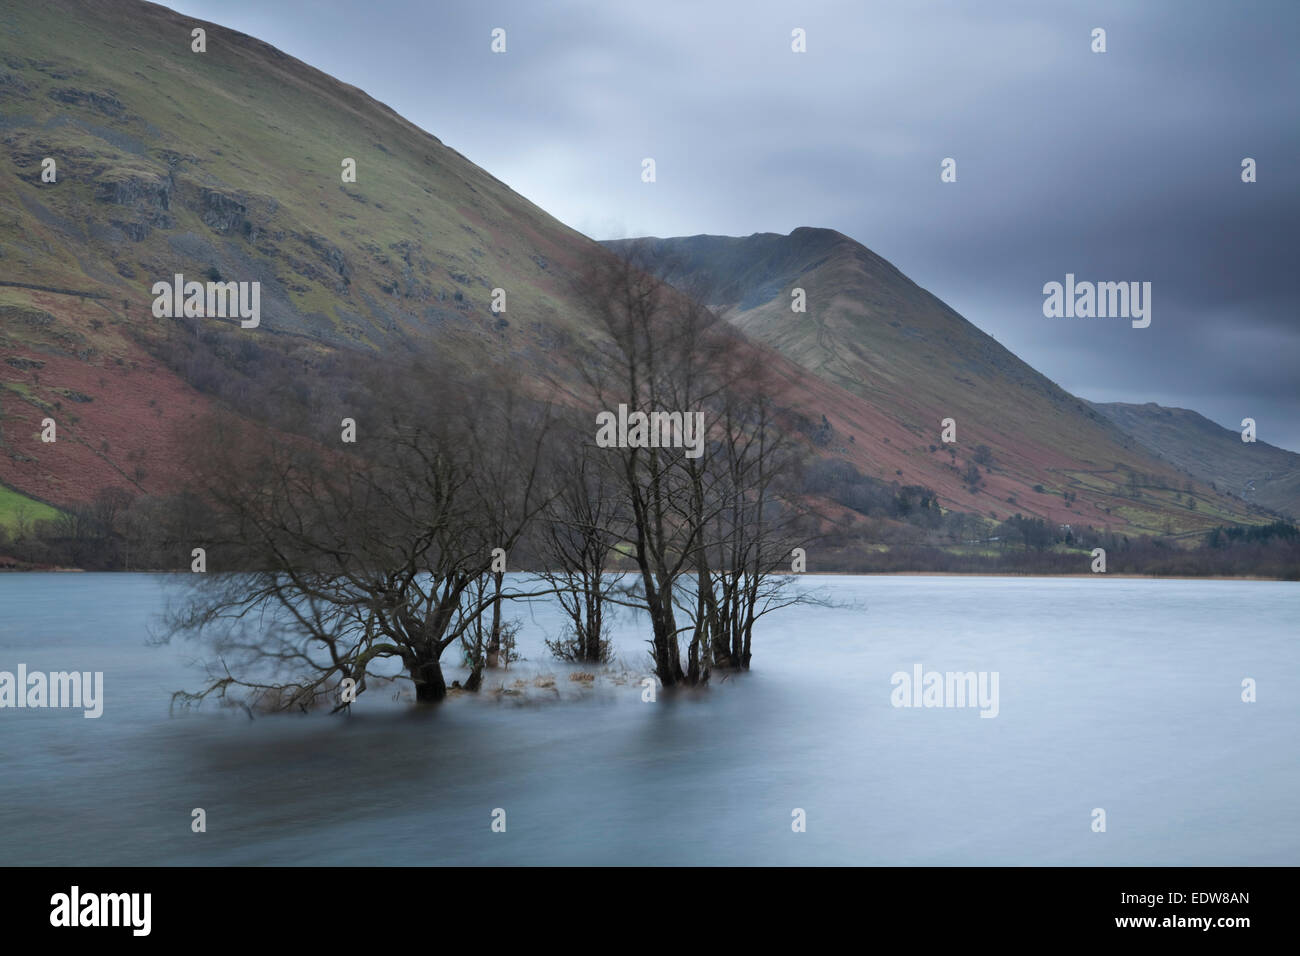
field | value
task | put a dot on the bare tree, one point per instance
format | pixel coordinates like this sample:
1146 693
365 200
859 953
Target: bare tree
744 563
708 525
656 358
489 644
580 536
326 561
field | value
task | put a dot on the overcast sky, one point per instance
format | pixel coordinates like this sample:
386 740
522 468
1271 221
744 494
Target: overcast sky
1122 166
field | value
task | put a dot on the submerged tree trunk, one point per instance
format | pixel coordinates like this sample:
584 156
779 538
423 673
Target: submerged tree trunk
425 670
591 631
719 613
721 650
668 663
693 674
475 679
494 642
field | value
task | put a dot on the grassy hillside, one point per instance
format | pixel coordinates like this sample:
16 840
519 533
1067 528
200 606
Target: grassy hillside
225 164
1256 472
231 159
914 362
18 511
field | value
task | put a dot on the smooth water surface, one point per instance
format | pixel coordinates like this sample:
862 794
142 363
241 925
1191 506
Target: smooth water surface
1119 694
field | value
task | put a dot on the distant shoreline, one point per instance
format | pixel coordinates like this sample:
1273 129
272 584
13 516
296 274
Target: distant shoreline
838 574
1072 574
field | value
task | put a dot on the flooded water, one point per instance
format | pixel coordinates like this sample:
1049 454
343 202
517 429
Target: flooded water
1122 695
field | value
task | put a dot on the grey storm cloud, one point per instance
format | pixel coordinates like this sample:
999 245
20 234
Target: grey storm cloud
1116 166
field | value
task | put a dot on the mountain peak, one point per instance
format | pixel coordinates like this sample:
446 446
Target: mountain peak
851 319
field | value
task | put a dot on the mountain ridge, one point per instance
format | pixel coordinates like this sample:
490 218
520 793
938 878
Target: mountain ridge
227 163
1253 471
880 335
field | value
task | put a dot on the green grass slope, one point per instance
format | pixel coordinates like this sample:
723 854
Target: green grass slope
1256 472
914 362
18 512
172 160
226 164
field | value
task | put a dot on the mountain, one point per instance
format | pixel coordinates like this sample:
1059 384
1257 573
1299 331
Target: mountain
1254 471
913 362
225 165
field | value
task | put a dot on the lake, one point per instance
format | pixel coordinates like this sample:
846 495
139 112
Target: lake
1117 694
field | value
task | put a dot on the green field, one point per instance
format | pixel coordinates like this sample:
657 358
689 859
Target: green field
14 507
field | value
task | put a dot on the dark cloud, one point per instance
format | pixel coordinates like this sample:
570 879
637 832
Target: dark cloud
1115 166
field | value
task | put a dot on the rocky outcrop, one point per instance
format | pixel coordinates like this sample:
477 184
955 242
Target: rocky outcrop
224 213
134 188
101 101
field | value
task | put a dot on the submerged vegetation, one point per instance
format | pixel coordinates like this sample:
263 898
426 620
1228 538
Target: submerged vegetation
323 559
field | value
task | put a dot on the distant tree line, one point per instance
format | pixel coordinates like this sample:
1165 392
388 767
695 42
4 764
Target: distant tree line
1246 552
